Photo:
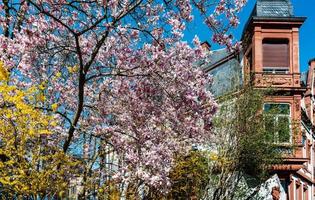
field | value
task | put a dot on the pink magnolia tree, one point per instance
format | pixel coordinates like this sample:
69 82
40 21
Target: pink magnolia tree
126 90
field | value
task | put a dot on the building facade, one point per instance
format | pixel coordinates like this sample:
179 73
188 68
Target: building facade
270 59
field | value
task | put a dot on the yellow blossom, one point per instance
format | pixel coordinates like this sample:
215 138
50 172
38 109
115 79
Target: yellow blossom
54 106
73 69
21 128
213 156
4 74
41 86
53 123
41 97
58 74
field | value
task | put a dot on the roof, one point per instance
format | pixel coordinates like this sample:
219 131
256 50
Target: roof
226 71
273 8
217 55
226 78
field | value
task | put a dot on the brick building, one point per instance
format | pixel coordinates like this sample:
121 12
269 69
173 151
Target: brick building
271 57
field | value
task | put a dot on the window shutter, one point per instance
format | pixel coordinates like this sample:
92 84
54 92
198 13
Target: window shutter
275 55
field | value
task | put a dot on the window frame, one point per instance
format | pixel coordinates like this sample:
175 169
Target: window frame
276 119
278 70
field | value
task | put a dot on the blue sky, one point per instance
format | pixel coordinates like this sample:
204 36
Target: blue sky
305 8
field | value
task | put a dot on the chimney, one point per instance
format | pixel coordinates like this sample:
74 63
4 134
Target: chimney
206 46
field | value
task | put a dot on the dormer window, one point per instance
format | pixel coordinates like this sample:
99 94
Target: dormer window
276 56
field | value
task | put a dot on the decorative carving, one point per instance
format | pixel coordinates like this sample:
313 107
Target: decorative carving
275 80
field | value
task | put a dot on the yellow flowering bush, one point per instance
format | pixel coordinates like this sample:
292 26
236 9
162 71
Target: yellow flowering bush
4 74
29 166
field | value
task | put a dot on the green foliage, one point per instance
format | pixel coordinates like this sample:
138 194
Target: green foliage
246 144
244 141
255 152
189 177
110 191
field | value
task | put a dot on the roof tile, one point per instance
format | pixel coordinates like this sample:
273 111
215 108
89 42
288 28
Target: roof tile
274 8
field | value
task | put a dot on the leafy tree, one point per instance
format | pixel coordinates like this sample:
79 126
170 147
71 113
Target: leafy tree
243 145
243 149
120 82
190 176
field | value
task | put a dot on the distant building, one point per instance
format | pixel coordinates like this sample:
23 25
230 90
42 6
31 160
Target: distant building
75 188
271 55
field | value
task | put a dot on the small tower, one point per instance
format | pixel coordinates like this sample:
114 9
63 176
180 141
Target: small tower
271 60
271 41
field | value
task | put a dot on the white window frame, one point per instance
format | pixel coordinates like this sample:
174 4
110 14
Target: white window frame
276 70
276 116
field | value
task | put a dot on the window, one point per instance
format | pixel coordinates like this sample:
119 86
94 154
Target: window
276 56
277 122
275 71
304 138
73 190
285 184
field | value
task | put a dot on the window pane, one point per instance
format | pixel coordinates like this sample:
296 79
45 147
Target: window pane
283 129
277 108
275 71
284 109
270 128
267 107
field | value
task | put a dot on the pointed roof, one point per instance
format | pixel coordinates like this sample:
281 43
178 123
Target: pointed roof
273 8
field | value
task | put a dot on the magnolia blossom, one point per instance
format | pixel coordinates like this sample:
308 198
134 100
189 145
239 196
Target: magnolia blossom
129 91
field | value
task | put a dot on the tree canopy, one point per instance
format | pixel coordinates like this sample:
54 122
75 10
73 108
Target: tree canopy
122 87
